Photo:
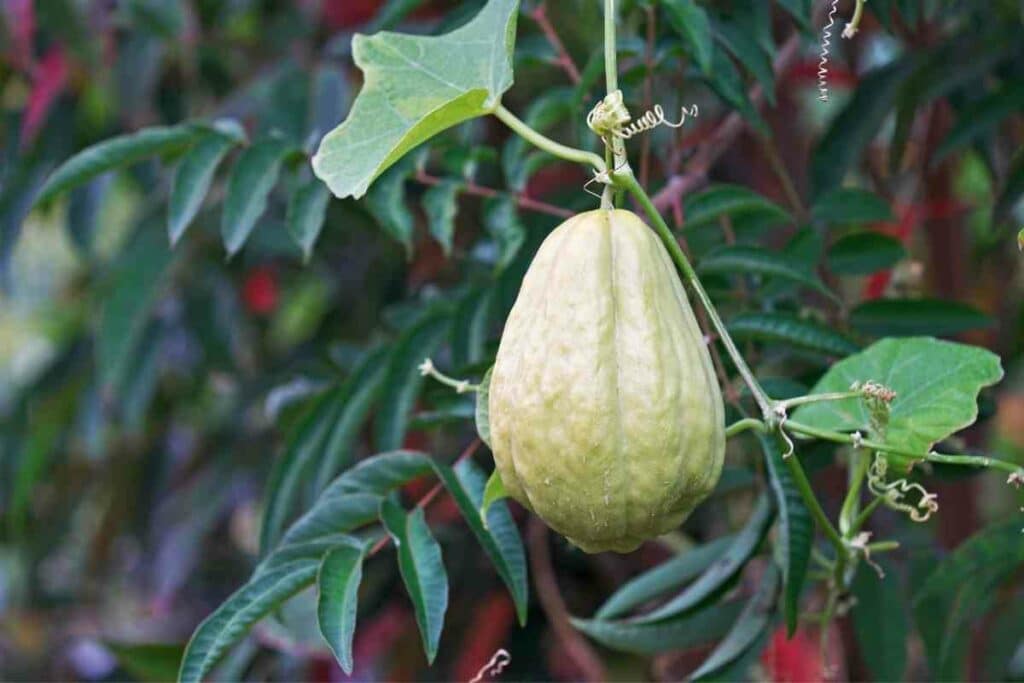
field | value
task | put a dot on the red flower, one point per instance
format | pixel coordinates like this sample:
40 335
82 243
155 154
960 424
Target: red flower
260 291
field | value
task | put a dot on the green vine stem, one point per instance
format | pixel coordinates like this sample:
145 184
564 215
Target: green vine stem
619 160
545 143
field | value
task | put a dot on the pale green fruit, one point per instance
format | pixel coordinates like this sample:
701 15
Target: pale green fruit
605 414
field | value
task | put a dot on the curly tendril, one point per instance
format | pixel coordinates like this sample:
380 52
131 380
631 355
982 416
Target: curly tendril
893 494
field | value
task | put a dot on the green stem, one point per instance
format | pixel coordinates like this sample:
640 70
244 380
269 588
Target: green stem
803 485
743 425
851 504
969 460
882 546
865 514
628 180
545 143
619 160
817 398
858 12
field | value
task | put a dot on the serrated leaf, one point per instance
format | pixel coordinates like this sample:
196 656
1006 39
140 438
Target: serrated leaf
492 525
936 384
441 206
117 152
752 622
192 180
880 621
863 253
729 200
788 329
681 633
252 178
909 317
796 530
238 613
663 578
403 381
305 444
422 569
483 410
493 492
341 572
416 87
722 571
307 209
744 260
848 205
358 393
691 22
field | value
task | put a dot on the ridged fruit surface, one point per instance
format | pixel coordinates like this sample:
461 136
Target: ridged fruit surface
606 418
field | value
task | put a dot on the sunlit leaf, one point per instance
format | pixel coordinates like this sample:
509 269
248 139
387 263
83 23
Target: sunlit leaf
415 87
936 384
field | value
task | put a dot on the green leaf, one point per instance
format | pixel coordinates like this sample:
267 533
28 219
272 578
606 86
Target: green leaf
744 47
441 206
663 578
135 284
115 153
492 524
800 10
863 253
751 624
847 205
252 178
307 209
332 515
796 530
338 584
681 633
403 381
386 202
782 328
722 571
471 327
744 260
148 662
358 394
981 117
195 173
880 622
691 22
305 445
962 584
936 384
501 218
728 84
856 125
416 87
910 317
729 200
493 492
422 569
483 410
238 613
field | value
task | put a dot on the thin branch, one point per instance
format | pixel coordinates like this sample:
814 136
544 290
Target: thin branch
522 200
540 15
551 601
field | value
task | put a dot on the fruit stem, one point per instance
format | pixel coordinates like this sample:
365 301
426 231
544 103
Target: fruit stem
545 143
743 425
626 179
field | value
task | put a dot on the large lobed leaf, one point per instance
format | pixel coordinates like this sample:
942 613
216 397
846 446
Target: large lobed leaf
416 87
936 384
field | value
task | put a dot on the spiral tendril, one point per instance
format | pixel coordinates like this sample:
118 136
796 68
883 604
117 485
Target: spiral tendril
826 42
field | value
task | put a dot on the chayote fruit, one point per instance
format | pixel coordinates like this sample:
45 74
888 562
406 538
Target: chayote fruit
606 418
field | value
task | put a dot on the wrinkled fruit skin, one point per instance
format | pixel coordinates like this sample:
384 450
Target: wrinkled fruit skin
606 418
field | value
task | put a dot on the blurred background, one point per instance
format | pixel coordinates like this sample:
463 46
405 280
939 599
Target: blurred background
146 391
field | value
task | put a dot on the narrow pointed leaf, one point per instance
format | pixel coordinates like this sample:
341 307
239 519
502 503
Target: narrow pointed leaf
441 206
307 209
192 180
848 205
788 329
751 624
483 410
691 22
252 178
422 569
796 530
680 633
237 615
880 621
910 317
863 253
493 492
745 260
338 584
729 200
416 87
386 202
115 153
663 578
723 571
